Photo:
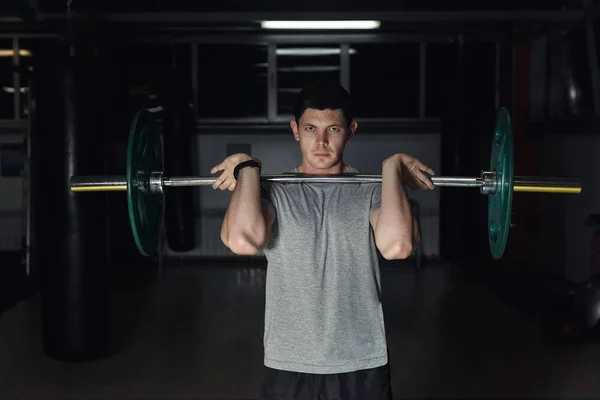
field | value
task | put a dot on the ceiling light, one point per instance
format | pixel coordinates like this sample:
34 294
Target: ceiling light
8 89
311 51
10 53
320 24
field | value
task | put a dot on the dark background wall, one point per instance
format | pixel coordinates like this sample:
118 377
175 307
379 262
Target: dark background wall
214 75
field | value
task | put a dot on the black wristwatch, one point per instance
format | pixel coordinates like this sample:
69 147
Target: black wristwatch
244 164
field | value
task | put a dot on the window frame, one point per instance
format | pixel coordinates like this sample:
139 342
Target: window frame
341 40
272 116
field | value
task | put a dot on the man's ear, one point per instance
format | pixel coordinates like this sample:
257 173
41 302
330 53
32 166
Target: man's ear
352 129
294 127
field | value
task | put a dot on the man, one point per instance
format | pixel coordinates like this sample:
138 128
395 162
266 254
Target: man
324 331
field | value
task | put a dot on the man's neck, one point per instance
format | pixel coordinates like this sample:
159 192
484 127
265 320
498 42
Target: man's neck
334 170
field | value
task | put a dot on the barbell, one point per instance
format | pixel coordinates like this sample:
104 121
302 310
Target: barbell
144 183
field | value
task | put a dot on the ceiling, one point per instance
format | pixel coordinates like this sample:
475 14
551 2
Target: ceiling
304 5
178 19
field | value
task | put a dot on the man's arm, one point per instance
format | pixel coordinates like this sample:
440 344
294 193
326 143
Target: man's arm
392 222
247 225
395 228
416 236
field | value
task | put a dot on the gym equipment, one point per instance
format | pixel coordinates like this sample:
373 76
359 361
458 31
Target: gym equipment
68 260
500 199
145 182
145 202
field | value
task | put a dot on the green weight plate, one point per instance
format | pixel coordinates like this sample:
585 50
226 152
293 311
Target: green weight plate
500 203
144 156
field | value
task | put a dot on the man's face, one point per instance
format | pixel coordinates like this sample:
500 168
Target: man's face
322 135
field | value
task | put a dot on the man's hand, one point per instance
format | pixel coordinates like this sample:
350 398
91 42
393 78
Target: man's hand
226 181
411 170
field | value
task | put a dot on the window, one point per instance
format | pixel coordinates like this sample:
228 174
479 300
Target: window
384 79
298 65
232 81
11 160
251 81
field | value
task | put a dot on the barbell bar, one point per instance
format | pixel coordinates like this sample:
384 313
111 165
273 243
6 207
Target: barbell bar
158 182
144 183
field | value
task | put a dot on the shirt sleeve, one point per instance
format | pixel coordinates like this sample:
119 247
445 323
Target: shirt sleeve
266 197
376 197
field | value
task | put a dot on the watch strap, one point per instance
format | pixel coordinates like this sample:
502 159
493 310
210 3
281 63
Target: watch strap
244 164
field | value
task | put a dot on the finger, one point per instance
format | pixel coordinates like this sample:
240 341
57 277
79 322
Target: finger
421 185
425 168
422 170
232 186
226 183
428 184
217 168
425 181
229 180
218 182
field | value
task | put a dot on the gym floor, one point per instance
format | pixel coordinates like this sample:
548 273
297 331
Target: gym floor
196 333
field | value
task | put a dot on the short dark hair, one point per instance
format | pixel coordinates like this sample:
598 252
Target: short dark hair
324 95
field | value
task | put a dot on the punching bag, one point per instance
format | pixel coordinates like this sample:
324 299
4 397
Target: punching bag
69 228
178 134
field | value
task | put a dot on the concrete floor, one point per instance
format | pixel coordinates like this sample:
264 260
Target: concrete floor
196 333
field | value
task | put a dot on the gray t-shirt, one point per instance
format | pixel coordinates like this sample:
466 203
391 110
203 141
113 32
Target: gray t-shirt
323 311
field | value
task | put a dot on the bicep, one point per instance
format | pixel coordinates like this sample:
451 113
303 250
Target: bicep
268 215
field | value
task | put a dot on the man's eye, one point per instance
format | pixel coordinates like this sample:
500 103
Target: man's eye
310 128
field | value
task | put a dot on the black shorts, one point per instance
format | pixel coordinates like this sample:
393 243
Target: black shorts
368 384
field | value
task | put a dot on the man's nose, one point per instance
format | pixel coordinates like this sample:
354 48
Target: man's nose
322 138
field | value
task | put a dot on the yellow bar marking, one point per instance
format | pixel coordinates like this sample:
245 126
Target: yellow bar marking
547 189
99 188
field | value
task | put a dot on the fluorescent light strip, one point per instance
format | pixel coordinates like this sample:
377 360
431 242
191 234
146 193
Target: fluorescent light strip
320 24
10 53
8 89
311 51
310 68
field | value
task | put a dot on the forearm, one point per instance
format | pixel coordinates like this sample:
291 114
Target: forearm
244 225
394 227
